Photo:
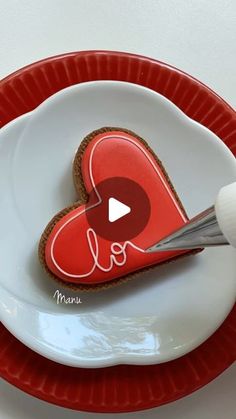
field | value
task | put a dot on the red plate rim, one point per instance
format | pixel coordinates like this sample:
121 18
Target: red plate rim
120 388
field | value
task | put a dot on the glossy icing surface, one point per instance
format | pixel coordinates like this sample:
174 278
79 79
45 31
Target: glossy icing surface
76 253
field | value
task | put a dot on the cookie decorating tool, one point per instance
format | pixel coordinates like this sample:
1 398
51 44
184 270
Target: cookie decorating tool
215 226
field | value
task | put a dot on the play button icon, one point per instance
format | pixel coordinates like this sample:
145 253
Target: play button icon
116 209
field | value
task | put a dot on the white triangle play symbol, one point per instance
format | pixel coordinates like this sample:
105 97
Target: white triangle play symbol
116 209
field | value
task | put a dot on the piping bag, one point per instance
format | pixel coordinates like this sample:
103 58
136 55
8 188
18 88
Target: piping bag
215 226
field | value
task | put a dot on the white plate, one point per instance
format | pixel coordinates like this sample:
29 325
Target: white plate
156 317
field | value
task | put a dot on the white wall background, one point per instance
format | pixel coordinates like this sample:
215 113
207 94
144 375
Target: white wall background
198 36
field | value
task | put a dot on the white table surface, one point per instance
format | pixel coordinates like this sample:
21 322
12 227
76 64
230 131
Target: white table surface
198 36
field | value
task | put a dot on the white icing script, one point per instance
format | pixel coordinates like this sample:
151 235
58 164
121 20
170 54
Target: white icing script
118 256
118 251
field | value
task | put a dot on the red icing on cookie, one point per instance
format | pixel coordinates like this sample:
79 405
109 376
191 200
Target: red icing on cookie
75 253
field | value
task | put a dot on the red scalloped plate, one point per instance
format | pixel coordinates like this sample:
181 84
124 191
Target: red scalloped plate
120 388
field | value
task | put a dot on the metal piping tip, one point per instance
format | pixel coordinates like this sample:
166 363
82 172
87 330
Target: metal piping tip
202 231
159 247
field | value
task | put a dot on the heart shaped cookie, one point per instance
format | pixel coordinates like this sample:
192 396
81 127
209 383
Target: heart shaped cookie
83 246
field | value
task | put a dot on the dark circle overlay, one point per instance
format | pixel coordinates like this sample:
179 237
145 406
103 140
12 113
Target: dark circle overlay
129 193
